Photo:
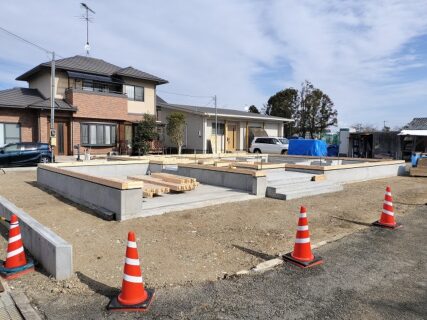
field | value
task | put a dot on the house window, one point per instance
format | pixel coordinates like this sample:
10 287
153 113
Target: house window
220 128
134 92
98 134
10 133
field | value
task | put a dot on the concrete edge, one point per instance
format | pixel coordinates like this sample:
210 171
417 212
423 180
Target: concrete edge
24 306
54 253
272 263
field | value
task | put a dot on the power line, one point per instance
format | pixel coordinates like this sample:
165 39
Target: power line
184 95
28 42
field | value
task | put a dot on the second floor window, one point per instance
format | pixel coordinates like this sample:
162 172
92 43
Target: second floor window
134 92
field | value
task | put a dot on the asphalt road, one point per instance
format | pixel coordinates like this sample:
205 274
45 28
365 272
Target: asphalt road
372 274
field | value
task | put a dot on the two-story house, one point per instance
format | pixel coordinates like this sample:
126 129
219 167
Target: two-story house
96 103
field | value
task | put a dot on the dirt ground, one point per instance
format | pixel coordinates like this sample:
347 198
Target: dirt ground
193 245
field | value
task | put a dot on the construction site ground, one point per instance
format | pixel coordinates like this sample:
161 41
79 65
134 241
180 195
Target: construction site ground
191 246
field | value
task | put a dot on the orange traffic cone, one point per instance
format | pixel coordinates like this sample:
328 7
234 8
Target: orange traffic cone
134 296
387 214
302 255
16 263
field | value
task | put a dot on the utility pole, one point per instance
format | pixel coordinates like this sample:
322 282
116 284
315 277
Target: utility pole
216 125
52 105
52 84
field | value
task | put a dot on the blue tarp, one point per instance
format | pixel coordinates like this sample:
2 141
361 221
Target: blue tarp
308 147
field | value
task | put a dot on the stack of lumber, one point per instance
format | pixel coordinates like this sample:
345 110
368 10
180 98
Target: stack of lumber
189 183
170 181
149 190
420 170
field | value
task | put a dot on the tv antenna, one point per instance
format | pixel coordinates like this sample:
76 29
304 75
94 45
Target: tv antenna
88 19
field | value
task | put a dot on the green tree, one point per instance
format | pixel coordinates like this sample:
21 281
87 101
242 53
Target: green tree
175 129
253 109
284 104
145 132
311 109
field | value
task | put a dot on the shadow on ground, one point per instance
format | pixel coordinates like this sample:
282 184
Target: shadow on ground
98 287
261 255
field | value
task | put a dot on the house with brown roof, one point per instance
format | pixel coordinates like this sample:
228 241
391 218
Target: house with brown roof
97 105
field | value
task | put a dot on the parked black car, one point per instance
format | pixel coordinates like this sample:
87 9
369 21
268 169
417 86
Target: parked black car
24 154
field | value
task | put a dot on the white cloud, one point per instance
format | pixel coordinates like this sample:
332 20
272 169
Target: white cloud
359 52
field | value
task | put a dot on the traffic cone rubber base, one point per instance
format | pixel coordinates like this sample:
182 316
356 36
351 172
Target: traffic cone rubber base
13 273
303 264
115 305
381 225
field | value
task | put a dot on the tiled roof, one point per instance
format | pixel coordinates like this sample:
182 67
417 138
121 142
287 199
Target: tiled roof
417 124
20 97
135 73
160 100
93 66
220 111
29 98
59 104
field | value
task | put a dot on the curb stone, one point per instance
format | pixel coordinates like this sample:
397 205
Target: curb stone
272 263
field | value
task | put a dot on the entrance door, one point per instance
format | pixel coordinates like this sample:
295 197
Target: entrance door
231 137
62 137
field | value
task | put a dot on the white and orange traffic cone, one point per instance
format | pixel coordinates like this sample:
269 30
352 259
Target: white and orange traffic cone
16 263
387 214
302 255
134 296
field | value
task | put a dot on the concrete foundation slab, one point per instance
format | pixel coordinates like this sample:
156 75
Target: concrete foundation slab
202 196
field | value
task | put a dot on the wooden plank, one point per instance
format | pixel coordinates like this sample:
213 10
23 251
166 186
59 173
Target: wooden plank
109 182
173 178
156 189
319 177
149 179
147 194
255 173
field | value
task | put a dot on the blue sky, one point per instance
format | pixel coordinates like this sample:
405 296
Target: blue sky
368 56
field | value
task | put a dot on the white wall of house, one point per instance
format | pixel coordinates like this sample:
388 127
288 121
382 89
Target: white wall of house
200 135
195 126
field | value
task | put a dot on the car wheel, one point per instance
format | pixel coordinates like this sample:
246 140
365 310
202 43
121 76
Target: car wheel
257 151
284 152
44 160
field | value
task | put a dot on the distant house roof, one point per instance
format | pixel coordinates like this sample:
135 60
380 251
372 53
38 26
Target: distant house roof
29 98
221 112
160 100
93 66
417 124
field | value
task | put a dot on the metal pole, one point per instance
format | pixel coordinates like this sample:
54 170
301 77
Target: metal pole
52 101
216 126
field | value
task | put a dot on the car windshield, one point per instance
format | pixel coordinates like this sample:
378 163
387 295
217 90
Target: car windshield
283 141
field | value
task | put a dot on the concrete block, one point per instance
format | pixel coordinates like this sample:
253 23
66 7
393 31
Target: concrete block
268 265
108 202
50 250
246 182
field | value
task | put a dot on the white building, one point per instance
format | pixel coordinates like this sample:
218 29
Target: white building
236 129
